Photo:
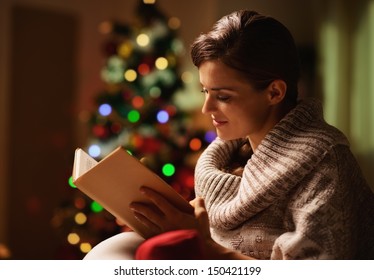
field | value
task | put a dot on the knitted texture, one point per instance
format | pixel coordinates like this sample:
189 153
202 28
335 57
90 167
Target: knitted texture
301 195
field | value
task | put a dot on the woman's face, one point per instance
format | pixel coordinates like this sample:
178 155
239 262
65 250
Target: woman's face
236 108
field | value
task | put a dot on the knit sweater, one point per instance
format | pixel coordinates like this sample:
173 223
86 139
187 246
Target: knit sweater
301 196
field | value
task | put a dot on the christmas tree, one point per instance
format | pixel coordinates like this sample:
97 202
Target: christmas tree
137 110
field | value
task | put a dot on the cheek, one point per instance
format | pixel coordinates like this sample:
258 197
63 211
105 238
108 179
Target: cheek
251 117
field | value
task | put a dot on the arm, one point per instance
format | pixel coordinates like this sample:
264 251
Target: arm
322 213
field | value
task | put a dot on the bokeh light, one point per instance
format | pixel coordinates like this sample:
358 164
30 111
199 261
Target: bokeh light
99 130
174 23
105 109
161 63
130 75
80 218
210 136
171 109
79 203
125 49
94 151
155 92
162 116
137 102
137 141
149 1
96 207
168 169
133 116
85 247
73 238
142 40
143 69
195 144
71 183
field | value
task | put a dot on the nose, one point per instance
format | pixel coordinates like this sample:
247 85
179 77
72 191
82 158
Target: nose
208 106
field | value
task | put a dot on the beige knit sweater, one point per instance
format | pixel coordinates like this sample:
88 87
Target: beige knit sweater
301 196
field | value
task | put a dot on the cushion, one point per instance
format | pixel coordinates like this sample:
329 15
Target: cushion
172 245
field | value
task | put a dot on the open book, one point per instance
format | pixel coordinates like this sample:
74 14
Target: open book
114 183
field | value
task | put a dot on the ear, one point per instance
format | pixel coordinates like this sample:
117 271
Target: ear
277 91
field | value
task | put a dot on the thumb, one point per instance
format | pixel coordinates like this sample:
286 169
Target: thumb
202 216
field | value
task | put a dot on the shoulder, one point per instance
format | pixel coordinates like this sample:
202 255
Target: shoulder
304 129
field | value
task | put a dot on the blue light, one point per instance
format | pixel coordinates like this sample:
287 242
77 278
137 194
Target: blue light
105 109
210 136
162 116
94 151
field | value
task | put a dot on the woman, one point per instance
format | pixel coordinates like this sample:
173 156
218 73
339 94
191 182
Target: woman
278 182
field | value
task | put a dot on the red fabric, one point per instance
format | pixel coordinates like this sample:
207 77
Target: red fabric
172 245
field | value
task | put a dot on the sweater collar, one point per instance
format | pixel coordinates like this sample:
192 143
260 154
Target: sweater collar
289 152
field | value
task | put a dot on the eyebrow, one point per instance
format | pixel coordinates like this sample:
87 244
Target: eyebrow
219 88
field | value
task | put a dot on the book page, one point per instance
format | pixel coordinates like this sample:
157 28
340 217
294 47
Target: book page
82 163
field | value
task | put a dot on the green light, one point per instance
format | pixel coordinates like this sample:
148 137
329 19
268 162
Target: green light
71 182
133 116
168 169
129 152
96 207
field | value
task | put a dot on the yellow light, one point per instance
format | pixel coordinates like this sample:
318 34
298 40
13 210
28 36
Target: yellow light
187 77
174 23
73 238
125 50
80 218
130 75
85 247
149 1
142 40
161 63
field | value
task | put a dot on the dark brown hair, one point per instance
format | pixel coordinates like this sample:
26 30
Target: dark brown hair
257 45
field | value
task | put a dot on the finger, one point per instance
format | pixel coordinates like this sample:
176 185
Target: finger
161 202
144 220
152 228
199 206
149 212
201 215
192 202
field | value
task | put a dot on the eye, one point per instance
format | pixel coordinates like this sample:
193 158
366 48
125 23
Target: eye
204 90
223 97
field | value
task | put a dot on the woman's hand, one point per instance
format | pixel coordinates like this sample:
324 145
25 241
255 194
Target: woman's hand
201 216
161 215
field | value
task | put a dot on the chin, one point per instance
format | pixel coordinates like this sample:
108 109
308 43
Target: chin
228 137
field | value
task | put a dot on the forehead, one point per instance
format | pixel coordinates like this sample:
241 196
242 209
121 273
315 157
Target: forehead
215 73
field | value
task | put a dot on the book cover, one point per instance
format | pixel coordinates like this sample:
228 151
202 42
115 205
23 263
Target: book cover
114 183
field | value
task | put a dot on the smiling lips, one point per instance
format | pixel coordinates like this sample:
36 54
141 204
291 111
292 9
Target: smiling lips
218 123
